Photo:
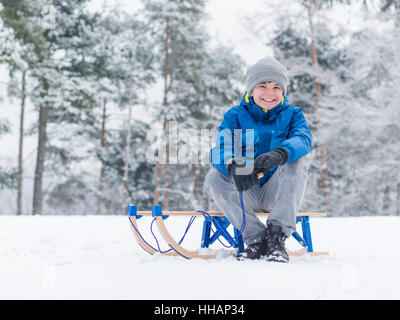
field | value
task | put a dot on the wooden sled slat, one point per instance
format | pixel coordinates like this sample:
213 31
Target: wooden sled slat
305 253
176 246
220 214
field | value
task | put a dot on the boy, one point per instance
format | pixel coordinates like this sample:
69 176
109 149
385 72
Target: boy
274 139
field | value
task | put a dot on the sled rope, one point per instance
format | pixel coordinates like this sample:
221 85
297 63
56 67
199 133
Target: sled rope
155 238
243 213
183 237
140 235
151 230
205 214
243 226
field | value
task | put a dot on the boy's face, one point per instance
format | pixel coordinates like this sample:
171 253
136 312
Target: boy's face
267 95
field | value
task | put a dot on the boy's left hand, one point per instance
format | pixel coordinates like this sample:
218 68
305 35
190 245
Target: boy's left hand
269 160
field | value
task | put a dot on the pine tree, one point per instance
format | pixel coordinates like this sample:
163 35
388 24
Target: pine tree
135 68
59 95
223 78
199 85
291 45
178 30
15 56
375 72
139 177
112 55
360 124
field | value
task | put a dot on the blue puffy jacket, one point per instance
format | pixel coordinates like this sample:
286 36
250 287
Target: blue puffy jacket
283 126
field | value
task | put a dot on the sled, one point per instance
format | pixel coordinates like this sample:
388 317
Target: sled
220 223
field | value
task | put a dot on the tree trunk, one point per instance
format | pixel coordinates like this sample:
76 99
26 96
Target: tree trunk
41 155
161 155
196 190
21 140
397 13
167 180
195 176
125 180
100 202
386 199
398 199
325 180
166 75
397 24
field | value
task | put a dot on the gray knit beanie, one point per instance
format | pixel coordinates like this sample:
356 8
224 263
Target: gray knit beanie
267 69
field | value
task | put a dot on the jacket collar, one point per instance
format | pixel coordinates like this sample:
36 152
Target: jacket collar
258 113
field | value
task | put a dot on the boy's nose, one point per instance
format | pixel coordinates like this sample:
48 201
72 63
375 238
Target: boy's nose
269 92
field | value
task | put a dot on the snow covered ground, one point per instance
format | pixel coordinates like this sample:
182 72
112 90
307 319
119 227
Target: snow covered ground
96 257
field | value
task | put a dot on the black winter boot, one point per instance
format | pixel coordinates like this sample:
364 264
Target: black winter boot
253 251
276 238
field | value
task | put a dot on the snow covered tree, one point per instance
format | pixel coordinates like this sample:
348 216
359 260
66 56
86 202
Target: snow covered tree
197 80
129 61
223 79
137 180
15 55
356 73
58 95
113 56
178 31
374 119
292 46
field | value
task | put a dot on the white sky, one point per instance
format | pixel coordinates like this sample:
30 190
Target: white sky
227 23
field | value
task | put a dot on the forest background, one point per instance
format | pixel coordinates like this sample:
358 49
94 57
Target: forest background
91 94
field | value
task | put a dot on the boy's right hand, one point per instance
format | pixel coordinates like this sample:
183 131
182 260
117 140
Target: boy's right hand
242 181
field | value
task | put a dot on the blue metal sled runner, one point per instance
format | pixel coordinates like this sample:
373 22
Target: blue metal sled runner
209 236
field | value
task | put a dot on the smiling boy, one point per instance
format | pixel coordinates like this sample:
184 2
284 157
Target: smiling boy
281 138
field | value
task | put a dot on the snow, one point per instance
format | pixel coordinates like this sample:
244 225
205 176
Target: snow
97 257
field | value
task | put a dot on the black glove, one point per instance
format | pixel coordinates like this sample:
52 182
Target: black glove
269 160
242 181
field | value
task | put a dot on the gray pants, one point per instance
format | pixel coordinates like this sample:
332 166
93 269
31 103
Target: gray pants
281 195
